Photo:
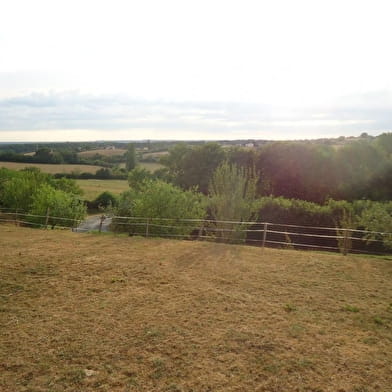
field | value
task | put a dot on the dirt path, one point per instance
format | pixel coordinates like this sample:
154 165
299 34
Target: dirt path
92 224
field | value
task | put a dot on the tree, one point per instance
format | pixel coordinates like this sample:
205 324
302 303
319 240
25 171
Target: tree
64 208
160 201
232 198
130 156
138 176
18 188
298 170
105 200
377 217
193 166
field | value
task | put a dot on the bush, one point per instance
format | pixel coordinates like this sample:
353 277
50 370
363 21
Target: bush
104 200
60 204
159 200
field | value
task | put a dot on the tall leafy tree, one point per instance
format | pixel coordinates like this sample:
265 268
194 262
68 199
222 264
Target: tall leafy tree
193 166
232 198
130 162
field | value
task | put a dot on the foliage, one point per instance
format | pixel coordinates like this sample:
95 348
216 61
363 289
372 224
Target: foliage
378 217
232 198
67 185
138 176
33 191
130 156
298 170
159 200
18 188
63 207
104 200
190 167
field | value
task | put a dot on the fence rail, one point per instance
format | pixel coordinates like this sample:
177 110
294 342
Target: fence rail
260 234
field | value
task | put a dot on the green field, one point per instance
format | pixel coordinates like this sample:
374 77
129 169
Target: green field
51 168
85 312
93 188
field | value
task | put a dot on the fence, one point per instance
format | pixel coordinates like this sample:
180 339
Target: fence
252 233
19 217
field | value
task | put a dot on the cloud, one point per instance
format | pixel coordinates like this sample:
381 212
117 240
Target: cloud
113 116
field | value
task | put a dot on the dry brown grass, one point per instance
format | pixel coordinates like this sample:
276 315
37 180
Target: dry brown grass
83 312
52 168
104 152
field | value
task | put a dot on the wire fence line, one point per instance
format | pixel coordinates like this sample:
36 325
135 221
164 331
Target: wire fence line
344 240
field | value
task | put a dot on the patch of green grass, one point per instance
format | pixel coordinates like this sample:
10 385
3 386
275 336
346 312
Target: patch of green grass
371 340
152 333
296 330
8 288
159 368
289 308
350 308
378 320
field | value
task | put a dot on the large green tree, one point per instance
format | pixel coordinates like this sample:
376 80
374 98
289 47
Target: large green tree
193 166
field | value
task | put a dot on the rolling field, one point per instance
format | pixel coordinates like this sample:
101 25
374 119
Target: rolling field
51 168
93 188
104 152
84 312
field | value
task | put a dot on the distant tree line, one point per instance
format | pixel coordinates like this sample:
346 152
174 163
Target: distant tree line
300 170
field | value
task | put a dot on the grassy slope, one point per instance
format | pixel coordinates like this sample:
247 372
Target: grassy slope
51 168
82 312
93 188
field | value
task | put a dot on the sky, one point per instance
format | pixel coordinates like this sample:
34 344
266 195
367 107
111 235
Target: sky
191 70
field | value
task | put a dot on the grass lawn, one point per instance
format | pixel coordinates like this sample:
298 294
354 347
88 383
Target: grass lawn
93 188
85 312
51 168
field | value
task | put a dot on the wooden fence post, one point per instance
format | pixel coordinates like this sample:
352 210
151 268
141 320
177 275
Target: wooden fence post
264 234
147 228
345 242
16 217
100 223
201 231
47 217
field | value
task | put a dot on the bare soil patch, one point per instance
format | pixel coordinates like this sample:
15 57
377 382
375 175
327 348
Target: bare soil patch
84 312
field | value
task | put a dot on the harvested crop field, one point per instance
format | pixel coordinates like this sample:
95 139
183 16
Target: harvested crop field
85 312
104 152
52 168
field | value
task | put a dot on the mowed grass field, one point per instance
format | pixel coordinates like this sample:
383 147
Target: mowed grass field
51 168
93 188
85 312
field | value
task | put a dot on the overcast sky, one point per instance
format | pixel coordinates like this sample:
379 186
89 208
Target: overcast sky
184 69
